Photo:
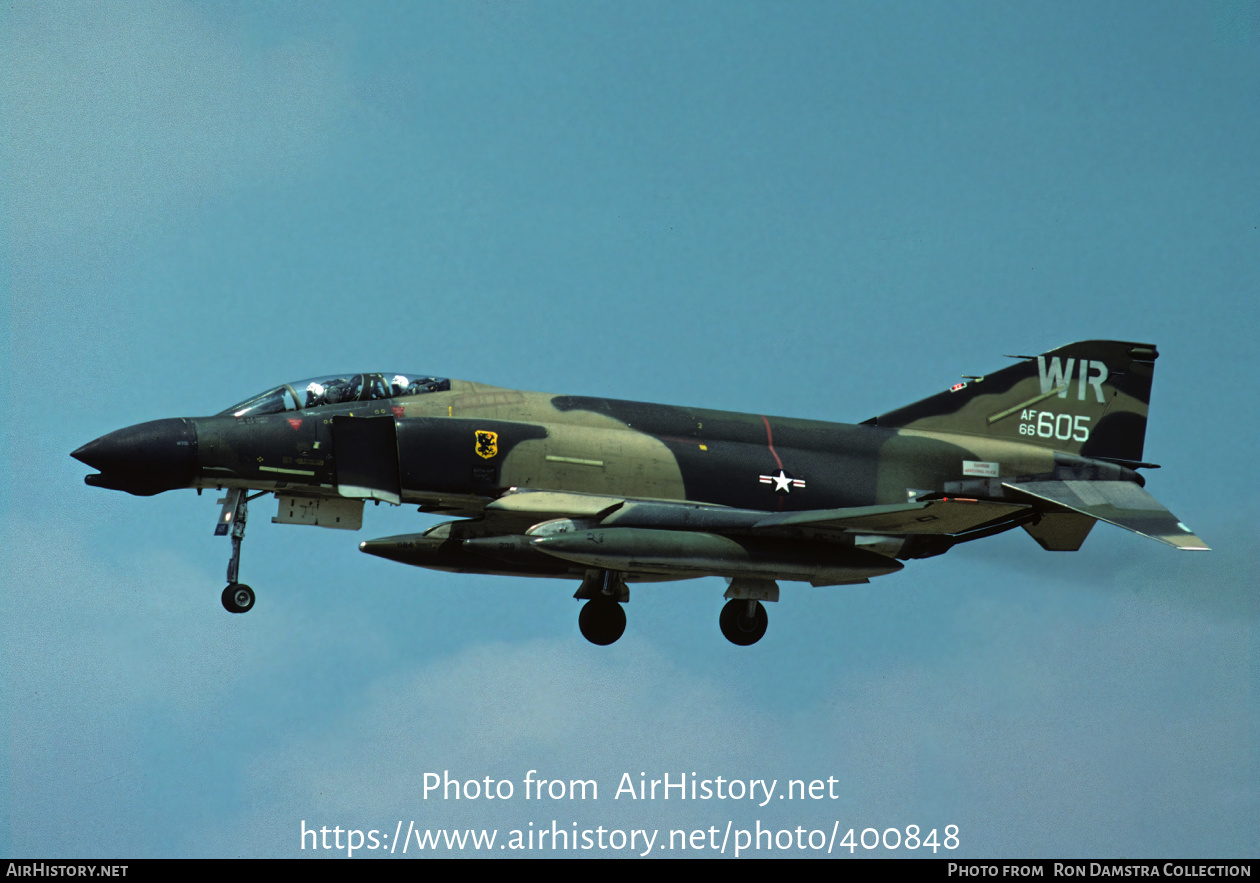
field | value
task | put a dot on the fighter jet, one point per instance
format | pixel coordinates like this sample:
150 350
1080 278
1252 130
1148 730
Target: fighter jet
614 492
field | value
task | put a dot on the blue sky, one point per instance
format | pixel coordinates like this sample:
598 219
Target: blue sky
810 209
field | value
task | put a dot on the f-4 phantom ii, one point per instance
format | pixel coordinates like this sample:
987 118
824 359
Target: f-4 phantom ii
613 492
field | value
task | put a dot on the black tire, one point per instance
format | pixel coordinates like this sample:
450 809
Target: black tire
602 621
237 598
739 626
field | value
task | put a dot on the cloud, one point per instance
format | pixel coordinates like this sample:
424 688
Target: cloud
565 710
1070 733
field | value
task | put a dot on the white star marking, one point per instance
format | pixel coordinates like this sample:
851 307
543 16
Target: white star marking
782 481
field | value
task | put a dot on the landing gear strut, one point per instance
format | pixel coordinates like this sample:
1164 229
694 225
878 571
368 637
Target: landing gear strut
743 622
602 620
237 597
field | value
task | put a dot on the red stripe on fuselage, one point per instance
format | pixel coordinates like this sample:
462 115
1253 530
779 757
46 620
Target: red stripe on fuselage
770 442
773 453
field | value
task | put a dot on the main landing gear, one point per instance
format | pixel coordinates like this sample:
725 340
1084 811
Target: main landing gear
744 619
237 597
743 622
602 620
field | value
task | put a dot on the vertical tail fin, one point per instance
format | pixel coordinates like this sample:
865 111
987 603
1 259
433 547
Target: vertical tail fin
1088 398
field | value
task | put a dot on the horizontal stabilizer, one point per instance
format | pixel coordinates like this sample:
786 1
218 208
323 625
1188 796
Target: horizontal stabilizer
940 517
1121 503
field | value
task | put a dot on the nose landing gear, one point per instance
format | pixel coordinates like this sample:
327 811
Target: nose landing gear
237 597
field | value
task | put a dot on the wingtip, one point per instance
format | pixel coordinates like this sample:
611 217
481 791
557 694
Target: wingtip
1189 542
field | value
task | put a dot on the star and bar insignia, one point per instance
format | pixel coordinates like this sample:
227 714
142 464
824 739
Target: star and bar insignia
783 483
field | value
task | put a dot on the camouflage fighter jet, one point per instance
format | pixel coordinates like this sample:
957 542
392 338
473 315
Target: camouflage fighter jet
612 492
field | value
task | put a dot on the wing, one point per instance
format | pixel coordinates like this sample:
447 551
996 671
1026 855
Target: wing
555 533
946 516
939 516
552 533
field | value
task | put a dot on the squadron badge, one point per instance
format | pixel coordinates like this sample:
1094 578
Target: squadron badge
487 443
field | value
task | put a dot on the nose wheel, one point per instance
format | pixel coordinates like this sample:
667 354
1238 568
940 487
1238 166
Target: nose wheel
237 597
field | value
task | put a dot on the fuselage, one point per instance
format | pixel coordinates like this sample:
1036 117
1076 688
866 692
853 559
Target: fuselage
464 446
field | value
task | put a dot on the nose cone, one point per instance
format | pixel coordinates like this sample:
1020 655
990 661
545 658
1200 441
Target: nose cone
145 459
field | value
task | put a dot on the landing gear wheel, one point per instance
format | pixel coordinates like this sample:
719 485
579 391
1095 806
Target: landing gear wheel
602 621
743 622
238 598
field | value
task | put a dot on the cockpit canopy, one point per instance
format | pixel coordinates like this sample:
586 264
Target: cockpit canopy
335 389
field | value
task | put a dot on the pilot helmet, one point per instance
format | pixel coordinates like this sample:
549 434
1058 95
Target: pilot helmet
314 392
